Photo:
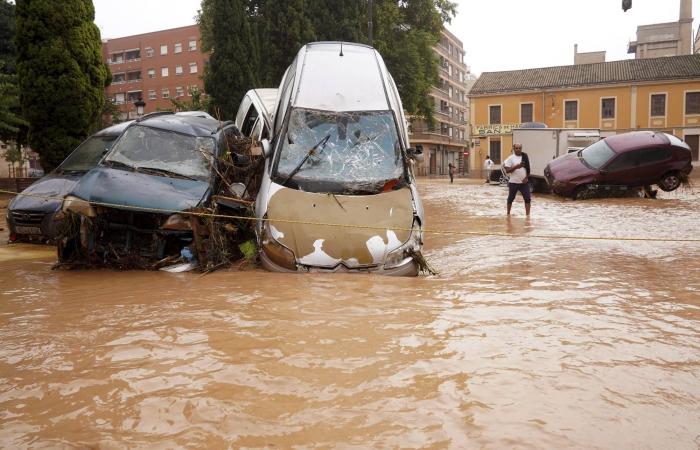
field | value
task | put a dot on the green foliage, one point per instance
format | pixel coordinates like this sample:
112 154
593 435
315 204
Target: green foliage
61 74
405 33
232 67
198 101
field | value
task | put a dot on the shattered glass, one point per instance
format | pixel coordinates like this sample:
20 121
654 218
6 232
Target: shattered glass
340 152
142 146
88 154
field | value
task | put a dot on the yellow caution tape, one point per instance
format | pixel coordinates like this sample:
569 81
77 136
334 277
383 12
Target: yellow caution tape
367 227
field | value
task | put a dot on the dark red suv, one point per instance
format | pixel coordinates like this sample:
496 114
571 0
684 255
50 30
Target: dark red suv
636 159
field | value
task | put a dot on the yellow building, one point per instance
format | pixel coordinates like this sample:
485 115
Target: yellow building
660 94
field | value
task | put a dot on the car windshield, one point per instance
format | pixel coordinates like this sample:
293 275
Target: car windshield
88 154
152 148
349 152
597 154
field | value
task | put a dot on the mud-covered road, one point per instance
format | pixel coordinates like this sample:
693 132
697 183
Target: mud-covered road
520 342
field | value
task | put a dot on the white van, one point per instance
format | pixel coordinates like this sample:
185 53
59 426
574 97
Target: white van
338 193
256 112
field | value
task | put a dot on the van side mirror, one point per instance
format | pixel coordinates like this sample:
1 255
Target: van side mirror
266 149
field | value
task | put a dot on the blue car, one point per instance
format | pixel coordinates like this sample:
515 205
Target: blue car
31 216
126 211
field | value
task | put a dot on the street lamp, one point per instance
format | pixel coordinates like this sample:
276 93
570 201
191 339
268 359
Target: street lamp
140 105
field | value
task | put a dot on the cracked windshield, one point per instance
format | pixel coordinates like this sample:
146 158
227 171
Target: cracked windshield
150 148
359 151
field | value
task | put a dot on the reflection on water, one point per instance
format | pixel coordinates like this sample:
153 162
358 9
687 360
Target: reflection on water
520 342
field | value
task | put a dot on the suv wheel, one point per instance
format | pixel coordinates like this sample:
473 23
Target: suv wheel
670 182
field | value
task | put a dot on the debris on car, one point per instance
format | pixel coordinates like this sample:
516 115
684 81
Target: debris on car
174 191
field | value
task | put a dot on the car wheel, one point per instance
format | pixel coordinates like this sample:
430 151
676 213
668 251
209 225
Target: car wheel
670 182
582 192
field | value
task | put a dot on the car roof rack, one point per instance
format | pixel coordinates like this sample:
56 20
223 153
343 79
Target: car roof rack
153 114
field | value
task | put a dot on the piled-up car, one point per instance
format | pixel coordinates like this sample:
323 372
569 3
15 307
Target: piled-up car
619 162
156 198
338 193
32 215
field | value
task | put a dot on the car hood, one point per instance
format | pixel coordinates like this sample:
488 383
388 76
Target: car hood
568 167
46 194
349 244
139 191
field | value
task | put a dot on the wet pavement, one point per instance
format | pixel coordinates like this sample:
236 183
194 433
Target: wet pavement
520 342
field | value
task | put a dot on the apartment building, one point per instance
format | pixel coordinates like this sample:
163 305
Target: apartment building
154 67
448 140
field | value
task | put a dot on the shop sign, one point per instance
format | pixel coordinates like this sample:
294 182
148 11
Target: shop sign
492 129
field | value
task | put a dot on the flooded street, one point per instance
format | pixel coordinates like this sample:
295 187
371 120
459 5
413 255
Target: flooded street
521 341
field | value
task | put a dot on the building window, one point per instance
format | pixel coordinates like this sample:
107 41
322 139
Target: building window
607 108
149 52
179 91
163 49
193 67
178 48
117 58
152 94
692 102
119 98
658 105
164 72
526 112
133 55
495 151
178 70
495 114
693 140
151 73
193 46
119 78
571 110
165 93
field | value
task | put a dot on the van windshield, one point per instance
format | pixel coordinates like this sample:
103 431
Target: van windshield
348 152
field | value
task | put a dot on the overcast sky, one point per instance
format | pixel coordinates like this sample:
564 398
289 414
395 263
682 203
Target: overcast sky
497 34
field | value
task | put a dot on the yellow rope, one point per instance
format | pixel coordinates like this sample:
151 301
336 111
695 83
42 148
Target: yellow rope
366 227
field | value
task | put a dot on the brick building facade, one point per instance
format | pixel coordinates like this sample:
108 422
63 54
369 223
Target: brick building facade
155 67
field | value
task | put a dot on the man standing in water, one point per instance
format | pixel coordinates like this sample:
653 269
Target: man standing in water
518 166
488 164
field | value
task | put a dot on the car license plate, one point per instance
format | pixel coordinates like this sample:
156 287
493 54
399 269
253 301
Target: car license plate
28 230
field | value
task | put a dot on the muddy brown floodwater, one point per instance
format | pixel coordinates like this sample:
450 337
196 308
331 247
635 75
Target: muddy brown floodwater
520 342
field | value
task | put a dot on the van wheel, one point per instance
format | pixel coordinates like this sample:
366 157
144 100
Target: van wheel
670 182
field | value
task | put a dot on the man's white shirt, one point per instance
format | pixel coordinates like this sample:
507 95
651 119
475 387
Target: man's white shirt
518 175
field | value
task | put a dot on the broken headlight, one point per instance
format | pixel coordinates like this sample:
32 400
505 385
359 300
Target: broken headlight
276 252
78 206
404 253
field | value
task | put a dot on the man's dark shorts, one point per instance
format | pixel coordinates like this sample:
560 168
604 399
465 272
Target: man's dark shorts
513 189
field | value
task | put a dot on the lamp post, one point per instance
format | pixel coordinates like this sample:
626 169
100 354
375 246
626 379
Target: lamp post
140 105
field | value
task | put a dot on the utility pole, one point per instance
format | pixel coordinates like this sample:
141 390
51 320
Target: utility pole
370 13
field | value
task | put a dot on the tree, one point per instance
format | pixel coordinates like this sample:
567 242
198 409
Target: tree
11 121
61 74
405 33
232 67
286 26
